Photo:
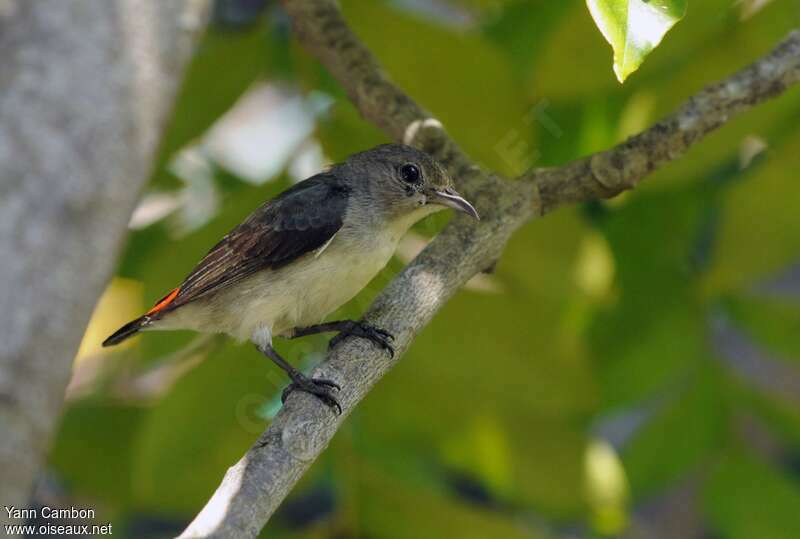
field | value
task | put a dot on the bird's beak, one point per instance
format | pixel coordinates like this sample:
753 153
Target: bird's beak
449 198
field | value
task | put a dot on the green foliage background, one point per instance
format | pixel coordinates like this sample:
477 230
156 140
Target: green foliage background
602 376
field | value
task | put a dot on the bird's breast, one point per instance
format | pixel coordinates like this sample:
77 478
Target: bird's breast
324 281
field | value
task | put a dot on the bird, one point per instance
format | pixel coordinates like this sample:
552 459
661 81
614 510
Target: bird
303 254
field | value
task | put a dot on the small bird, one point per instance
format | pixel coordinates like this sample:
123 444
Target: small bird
303 254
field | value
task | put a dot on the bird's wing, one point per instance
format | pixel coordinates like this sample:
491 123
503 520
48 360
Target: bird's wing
300 220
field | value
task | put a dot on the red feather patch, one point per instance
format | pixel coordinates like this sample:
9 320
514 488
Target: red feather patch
166 300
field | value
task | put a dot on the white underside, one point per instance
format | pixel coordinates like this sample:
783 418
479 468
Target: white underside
273 302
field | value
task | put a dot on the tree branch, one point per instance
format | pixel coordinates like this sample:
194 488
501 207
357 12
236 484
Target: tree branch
606 174
86 87
254 487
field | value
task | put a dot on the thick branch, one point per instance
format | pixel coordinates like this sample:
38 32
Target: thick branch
254 487
86 86
608 173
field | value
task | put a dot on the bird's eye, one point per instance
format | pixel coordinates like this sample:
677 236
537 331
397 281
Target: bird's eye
409 173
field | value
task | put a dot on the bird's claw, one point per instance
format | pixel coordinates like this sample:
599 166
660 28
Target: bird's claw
379 336
319 388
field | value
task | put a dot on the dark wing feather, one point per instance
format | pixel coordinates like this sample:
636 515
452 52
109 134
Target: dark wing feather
300 220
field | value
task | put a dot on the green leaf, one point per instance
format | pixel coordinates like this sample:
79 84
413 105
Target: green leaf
680 438
772 322
634 28
634 344
389 503
759 233
780 415
747 498
212 85
206 422
94 450
522 29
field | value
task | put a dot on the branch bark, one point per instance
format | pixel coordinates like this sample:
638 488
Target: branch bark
86 87
254 487
606 174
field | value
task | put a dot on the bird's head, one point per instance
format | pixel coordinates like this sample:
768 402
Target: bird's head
405 183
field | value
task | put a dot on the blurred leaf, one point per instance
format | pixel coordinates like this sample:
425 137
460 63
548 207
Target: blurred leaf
746 498
773 322
483 451
634 28
607 489
679 437
783 418
387 507
94 450
224 66
120 303
200 428
654 238
759 231
343 132
654 358
566 130
522 28
483 5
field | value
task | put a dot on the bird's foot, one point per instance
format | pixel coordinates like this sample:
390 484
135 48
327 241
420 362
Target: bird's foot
319 388
379 336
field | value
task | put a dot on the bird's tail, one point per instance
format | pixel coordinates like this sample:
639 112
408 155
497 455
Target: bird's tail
135 326
128 330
